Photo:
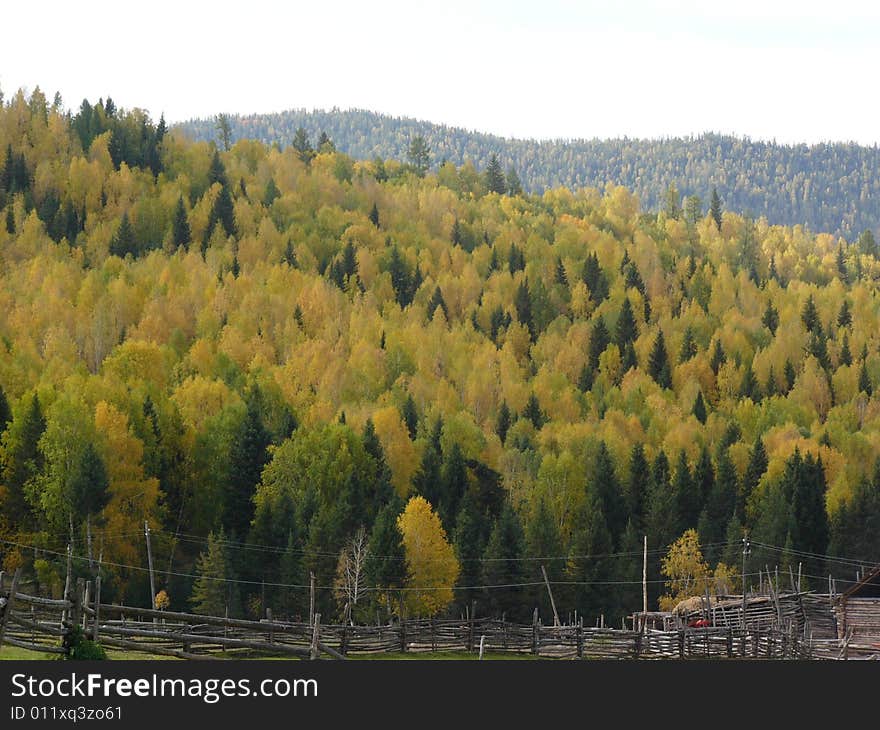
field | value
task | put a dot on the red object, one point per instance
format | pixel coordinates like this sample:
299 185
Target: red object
699 624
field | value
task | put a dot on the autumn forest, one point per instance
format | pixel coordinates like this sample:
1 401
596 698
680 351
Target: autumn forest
413 380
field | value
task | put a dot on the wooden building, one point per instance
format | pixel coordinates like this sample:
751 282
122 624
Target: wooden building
857 611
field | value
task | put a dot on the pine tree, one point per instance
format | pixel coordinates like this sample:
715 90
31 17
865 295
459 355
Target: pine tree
626 330
10 220
589 562
604 484
469 541
543 541
629 359
22 461
123 242
502 422
5 412
715 209
532 412
426 481
495 182
688 346
844 316
303 145
180 230
88 486
514 184
754 471
386 559
637 484
770 387
749 387
437 301
291 574
595 279
689 502
503 566
210 595
699 410
247 458
561 277
810 316
658 362
704 474
453 485
522 301
410 415
374 215
790 375
720 505
599 341
516 259
841 265
770 319
865 380
401 280
419 155
845 354
718 357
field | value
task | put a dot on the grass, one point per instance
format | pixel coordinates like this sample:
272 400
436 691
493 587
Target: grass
13 653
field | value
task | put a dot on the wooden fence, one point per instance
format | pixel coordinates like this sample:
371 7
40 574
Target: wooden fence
41 625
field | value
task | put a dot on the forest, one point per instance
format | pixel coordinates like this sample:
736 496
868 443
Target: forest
413 382
828 187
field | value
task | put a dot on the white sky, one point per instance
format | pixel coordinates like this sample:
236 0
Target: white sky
771 69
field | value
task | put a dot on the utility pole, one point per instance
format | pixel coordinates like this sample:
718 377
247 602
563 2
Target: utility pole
150 566
552 602
645 582
746 552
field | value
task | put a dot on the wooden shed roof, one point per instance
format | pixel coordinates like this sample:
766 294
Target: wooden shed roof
867 587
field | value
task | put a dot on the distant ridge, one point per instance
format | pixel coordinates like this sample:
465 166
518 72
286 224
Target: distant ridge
830 187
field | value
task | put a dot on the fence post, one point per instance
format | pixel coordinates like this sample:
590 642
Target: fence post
346 617
535 632
77 602
316 633
580 639
7 609
681 643
433 634
729 642
470 643
97 608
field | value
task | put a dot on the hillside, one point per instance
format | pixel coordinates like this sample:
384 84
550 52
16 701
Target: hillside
828 187
278 357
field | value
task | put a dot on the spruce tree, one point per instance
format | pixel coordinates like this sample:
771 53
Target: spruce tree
210 595
754 471
290 575
689 502
865 380
810 315
543 542
770 318
699 410
5 412
844 316
599 341
495 182
410 416
426 481
123 242
522 301
595 278
589 563
385 567
453 485
845 354
469 541
247 458
626 330
437 301
502 421
22 461
658 362
789 374
715 209
604 484
637 486
272 193
514 184
718 357
688 346
503 566
180 230
374 215
532 412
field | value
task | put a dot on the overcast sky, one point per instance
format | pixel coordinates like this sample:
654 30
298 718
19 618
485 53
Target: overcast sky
769 69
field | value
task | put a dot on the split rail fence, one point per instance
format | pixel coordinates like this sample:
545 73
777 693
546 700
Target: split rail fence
43 624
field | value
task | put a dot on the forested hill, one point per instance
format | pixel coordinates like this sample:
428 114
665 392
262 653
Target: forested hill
828 187
277 357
